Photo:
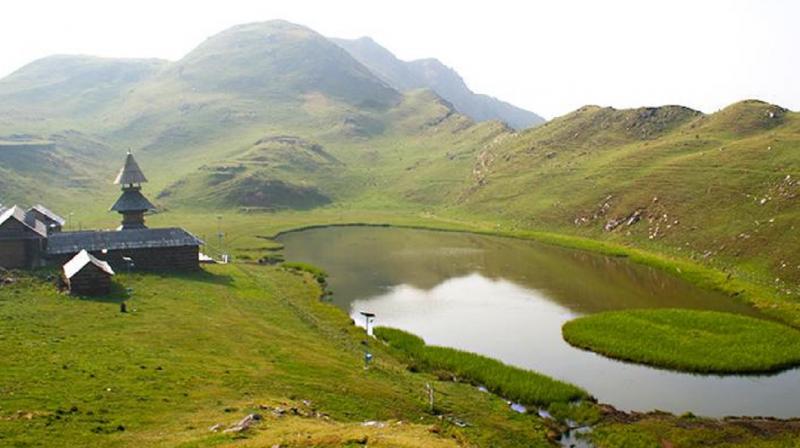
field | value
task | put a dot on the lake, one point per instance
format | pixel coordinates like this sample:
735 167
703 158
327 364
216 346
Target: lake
507 299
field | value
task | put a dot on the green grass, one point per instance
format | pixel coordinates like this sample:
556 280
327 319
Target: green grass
210 347
523 386
688 340
660 430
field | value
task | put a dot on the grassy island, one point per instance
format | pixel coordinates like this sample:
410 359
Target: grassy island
687 340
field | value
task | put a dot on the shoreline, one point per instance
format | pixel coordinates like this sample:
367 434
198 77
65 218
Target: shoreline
759 297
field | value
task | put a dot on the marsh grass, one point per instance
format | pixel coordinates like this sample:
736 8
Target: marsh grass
520 385
319 274
688 340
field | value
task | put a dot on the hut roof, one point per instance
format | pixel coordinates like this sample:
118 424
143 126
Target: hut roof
93 241
131 201
27 220
48 213
78 262
130 172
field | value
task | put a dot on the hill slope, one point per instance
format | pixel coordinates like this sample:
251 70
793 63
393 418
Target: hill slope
432 74
274 116
242 85
721 188
279 59
70 86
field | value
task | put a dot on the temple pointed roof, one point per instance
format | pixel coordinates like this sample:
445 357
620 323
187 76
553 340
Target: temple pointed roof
132 200
130 172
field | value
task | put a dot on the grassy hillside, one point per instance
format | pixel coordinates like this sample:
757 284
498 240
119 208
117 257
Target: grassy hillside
61 167
64 89
197 120
418 152
281 59
274 173
720 189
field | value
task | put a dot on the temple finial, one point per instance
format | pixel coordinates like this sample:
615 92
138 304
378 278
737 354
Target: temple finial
130 172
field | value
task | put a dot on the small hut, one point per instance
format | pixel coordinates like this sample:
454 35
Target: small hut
87 276
53 222
22 239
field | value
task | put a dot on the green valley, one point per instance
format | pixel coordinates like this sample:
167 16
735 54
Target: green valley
270 127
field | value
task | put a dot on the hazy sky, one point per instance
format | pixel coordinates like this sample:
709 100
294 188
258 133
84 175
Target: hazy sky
550 57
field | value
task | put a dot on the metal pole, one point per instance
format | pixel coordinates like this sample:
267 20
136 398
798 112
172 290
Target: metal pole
219 235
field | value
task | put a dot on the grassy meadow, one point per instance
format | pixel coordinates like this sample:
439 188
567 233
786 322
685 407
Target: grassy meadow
688 340
200 349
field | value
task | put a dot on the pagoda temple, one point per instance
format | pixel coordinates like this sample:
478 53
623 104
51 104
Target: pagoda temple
36 237
132 204
159 249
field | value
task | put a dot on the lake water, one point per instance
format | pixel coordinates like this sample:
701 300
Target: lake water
507 299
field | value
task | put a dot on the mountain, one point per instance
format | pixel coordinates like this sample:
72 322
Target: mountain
273 116
193 119
280 59
446 82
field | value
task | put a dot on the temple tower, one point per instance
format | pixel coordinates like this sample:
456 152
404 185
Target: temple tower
131 204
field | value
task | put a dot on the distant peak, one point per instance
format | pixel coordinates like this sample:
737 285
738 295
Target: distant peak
430 62
748 116
274 23
644 110
753 104
266 27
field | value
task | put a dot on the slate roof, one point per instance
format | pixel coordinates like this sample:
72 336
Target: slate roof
93 241
78 262
132 201
27 220
48 213
130 172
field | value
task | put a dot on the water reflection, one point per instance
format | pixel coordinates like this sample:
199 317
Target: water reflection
508 299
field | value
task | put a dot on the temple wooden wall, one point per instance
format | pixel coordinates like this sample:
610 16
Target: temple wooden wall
184 258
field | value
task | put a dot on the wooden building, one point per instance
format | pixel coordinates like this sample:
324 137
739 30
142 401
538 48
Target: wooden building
22 239
25 241
52 221
166 249
85 275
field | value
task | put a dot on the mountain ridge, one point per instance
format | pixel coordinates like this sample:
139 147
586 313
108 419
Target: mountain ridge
433 74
